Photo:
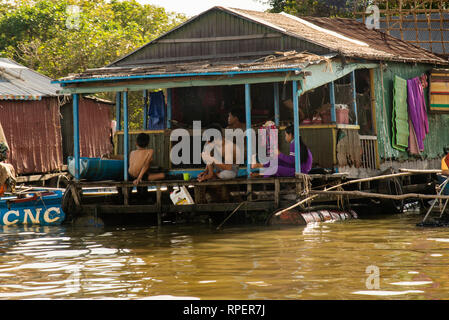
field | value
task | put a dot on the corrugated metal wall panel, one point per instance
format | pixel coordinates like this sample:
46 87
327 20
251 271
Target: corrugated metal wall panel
437 138
33 132
95 128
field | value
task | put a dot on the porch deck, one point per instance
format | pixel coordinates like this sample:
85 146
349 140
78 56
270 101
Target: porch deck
259 194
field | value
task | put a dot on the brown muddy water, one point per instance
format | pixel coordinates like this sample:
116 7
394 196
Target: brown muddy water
319 261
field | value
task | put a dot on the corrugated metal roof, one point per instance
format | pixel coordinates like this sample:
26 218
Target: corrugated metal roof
18 82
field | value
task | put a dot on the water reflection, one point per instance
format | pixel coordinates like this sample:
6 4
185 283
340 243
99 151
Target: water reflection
319 261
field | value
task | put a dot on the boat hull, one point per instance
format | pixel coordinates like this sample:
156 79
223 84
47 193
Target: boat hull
36 208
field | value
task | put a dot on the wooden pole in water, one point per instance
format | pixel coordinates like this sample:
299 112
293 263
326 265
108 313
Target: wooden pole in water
379 195
393 175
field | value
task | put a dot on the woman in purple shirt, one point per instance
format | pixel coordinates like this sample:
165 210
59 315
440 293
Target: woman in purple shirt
286 163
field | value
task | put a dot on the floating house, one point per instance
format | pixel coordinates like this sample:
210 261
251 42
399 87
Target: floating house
334 79
36 118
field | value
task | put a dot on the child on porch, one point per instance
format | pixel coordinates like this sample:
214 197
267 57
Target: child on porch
140 160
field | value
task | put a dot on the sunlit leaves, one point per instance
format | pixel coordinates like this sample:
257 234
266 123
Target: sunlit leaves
35 33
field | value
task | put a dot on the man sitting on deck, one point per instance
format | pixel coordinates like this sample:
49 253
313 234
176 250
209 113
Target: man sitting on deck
215 168
140 160
7 172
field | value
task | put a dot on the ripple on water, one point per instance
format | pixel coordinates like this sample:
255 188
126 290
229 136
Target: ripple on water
411 283
314 262
382 293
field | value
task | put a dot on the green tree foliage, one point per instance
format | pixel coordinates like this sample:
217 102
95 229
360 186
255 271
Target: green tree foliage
318 8
47 36
346 8
36 33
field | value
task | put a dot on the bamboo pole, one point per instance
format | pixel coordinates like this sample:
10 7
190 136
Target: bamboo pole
380 195
393 175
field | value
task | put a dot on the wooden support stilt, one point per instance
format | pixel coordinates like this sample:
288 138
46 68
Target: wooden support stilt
197 194
125 196
277 192
249 191
159 205
75 194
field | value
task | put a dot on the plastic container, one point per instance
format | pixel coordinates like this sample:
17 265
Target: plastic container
342 115
180 196
97 169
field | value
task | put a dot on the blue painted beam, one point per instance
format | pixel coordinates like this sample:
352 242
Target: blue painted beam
332 101
276 104
118 110
354 97
249 142
145 109
169 106
76 135
296 127
169 75
125 135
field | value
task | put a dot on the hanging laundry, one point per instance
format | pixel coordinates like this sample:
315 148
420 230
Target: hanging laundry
439 90
400 127
156 112
417 110
413 147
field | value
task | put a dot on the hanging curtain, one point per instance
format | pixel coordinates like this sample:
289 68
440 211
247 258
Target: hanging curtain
156 111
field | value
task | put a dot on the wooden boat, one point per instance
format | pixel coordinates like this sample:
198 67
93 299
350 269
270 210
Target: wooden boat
35 206
97 169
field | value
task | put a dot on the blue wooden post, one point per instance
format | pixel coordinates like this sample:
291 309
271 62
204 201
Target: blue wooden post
118 110
125 135
354 97
76 135
249 140
169 106
332 100
145 110
296 127
276 104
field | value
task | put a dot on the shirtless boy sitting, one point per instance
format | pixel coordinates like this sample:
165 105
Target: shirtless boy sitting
140 160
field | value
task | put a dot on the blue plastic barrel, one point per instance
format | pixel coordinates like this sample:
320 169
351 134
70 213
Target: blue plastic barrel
97 169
